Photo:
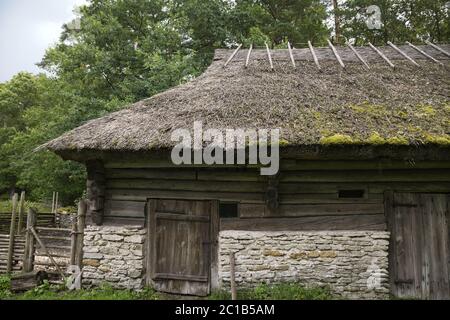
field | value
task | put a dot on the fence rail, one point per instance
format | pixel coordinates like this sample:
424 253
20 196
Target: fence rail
44 219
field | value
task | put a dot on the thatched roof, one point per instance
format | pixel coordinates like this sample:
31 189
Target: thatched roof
383 106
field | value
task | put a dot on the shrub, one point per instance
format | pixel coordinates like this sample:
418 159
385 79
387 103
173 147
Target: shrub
5 286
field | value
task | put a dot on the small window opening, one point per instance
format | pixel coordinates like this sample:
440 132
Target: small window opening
228 210
351 194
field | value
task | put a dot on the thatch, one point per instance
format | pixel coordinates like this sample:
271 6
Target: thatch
401 106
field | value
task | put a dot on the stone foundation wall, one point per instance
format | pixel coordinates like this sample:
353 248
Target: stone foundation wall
114 255
354 264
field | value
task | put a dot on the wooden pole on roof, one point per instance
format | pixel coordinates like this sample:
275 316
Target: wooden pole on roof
232 55
269 55
336 54
291 54
316 61
423 53
393 46
437 48
382 55
248 55
359 56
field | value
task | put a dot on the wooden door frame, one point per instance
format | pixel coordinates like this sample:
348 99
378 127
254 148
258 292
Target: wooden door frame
150 252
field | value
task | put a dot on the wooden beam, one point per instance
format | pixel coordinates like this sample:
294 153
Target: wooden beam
291 54
393 46
359 56
437 48
382 55
269 55
316 61
232 55
423 53
336 54
248 55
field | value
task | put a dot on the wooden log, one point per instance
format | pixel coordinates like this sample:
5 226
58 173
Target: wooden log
233 276
437 48
21 212
247 60
359 56
28 257
402 53
369 222
424 53
269 55
291 54
316 61
12 234
336 54
232 55
381 55
26 281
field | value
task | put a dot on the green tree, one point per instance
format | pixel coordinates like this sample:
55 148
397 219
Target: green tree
296 20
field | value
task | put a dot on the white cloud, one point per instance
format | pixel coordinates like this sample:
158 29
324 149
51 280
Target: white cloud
27 29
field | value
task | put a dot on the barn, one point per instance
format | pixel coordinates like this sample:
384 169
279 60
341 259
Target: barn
360 203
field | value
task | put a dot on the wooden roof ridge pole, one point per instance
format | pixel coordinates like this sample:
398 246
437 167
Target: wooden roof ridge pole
247 61
336 54
437 48
359 56
402 53
316 61
291 54
423 53
381 55
269 55
232 55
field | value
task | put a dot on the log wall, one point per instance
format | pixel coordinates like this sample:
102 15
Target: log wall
308 191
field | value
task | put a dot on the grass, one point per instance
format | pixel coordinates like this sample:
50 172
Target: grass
287 291
54 292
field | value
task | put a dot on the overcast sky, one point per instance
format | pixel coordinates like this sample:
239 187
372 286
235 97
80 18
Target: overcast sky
27 28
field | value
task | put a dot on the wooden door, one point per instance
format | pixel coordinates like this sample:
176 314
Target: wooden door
419 254
182 247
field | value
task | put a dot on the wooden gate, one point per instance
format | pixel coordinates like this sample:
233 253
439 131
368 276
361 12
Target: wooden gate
419 253
182 245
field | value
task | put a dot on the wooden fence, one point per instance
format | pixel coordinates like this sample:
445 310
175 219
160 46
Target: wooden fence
40 245
17 253
54 249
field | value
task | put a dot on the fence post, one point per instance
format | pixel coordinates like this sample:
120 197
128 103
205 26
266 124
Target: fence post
12 232
73 240
21 210
233 276
81 220
28 257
